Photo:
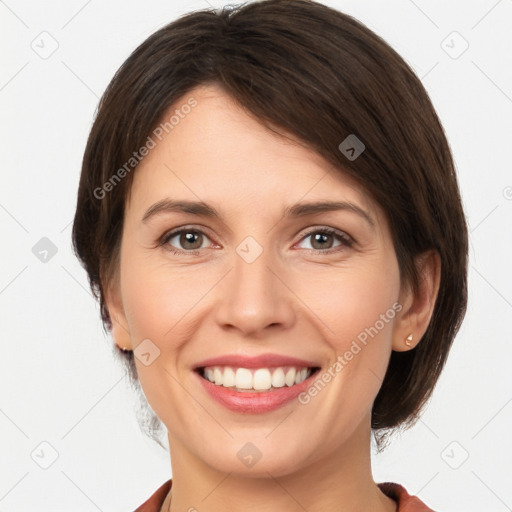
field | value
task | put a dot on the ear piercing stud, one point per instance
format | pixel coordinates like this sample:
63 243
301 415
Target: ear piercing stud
408 340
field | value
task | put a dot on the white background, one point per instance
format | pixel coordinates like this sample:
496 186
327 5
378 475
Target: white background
59 381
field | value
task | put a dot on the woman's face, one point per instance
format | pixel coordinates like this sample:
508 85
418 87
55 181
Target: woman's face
256 279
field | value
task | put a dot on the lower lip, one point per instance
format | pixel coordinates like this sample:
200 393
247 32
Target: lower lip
255 403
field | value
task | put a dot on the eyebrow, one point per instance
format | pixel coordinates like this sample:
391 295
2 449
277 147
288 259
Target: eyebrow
297 210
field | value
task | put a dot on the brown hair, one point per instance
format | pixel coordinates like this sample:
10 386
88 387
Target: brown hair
320 75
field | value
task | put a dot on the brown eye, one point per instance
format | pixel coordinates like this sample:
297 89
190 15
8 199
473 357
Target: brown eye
187 240
322 240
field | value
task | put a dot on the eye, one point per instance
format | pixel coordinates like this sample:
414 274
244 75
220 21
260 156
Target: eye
323 238
189 239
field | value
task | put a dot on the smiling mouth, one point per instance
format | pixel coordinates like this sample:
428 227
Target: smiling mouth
256 380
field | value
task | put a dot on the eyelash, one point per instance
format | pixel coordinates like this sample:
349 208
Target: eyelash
346 240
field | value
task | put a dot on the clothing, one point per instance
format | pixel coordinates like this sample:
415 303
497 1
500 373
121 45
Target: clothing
405 502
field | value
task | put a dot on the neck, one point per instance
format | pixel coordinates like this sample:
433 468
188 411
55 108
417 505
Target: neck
342 480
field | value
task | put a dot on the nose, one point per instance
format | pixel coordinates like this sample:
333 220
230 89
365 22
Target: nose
254 296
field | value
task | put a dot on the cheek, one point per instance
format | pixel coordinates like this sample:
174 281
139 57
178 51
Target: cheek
358 307
350 300
363 307
158 303
157 298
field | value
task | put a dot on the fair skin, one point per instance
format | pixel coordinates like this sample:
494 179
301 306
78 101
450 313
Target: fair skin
295 299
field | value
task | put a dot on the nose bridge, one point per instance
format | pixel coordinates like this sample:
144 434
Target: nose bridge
253 296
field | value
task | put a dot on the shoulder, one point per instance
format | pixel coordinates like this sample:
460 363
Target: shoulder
405 501
156 500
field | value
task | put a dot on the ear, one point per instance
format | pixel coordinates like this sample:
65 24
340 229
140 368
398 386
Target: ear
120 332
417 308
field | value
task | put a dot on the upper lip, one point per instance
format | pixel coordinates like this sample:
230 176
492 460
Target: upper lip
260 361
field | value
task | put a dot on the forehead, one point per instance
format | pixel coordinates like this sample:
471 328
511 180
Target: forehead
220 153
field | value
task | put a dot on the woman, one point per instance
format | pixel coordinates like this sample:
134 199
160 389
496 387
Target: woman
325 280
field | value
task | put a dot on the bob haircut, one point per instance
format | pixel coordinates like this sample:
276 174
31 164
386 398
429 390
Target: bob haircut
302 68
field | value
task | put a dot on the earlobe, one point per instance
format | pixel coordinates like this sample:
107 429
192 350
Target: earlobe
120 333
418 307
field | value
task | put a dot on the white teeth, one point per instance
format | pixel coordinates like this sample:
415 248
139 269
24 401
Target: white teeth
290 377
217 375
278 378
261 379
243 379
301 376
228 379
